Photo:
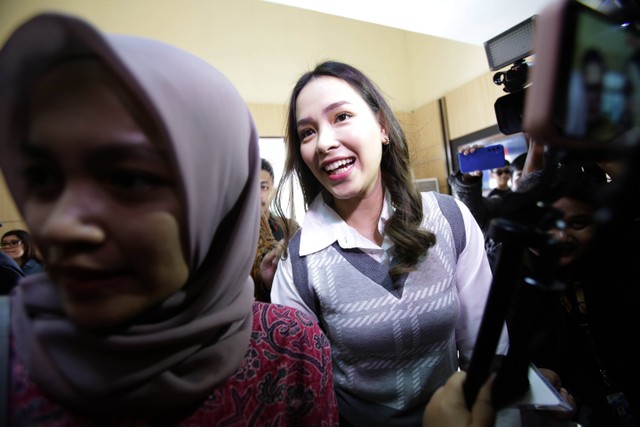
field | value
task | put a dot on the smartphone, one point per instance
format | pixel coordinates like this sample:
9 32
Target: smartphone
489 157
585 82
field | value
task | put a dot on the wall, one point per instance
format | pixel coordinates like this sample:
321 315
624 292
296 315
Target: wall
10 218
263 48
470 107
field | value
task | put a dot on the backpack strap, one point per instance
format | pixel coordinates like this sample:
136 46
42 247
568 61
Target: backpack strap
300 274
4 359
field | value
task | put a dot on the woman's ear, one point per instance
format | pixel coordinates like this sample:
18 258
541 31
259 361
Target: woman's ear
384 136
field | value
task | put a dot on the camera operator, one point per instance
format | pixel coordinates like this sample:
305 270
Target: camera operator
579 331
567 242
562 339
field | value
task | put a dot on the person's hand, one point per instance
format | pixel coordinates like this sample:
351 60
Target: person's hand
613 168
269 264
465 151
555 381
447 407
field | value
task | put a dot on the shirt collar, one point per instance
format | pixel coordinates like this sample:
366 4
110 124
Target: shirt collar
322 226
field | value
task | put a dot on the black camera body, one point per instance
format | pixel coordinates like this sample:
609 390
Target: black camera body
511 47
509 108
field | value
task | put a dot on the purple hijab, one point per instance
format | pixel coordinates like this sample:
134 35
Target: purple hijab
176 354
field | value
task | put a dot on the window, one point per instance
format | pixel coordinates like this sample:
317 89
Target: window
273 150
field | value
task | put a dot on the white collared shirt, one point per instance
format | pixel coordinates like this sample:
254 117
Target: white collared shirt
423 329
322 226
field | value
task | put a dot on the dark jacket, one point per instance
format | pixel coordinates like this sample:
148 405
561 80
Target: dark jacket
10 274
483 209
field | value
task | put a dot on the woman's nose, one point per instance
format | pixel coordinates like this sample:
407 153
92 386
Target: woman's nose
72 217
327 140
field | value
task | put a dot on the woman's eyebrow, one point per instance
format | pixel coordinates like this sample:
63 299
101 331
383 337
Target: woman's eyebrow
105 153
326 109
334 105
118 152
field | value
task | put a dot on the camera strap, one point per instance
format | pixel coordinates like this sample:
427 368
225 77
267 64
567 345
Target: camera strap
4 358
618 403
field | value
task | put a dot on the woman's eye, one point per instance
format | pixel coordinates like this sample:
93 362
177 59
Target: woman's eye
133 180
305 133
42 182
342 117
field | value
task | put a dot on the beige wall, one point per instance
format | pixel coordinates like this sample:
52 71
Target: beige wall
263 48
470 107
10 218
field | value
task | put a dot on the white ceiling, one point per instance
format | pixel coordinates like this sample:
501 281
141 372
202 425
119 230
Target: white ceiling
467 21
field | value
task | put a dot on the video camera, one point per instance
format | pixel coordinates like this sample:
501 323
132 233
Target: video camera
510 108
578 121
511 47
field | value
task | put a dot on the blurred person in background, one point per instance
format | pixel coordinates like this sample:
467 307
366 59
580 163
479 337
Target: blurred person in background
19 245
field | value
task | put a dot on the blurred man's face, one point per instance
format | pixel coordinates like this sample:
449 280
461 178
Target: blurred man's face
579 229
502 177
266 191
515 179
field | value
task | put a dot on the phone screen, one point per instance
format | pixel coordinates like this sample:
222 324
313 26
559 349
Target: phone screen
599 80
483 158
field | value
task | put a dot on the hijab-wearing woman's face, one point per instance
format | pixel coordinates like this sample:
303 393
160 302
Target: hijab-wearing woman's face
103 202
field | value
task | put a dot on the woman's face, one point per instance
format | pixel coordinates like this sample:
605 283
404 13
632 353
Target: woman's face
341 138
102 200
12 246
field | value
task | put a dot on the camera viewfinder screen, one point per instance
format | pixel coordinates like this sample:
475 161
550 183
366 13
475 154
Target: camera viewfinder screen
601 79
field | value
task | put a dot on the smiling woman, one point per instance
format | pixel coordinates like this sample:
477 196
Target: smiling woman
376 262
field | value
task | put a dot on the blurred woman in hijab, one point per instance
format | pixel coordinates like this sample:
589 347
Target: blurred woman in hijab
111 146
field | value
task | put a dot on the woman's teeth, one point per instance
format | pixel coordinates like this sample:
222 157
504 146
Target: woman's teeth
338 166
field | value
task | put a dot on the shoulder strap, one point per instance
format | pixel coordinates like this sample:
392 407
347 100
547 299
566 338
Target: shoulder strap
300 276
451 212
4 358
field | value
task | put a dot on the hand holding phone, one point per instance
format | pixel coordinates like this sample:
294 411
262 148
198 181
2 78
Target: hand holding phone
483 158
